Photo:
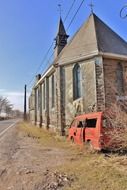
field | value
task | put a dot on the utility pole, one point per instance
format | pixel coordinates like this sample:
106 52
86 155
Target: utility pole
25 115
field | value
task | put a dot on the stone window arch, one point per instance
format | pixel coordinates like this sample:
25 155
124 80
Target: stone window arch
120 79
53 91
76 82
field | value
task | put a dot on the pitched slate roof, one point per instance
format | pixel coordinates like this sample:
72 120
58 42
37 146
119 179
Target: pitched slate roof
108 40
93 37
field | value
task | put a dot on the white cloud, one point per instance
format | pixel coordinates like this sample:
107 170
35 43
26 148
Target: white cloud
2 90
15 98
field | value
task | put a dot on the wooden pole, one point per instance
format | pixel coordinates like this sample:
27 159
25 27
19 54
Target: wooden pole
25 115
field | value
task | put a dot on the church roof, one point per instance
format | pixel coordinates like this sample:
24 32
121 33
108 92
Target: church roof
108 40
93 37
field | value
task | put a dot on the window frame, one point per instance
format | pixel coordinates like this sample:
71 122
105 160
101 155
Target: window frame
76 81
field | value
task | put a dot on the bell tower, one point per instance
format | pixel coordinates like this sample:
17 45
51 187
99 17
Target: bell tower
61 38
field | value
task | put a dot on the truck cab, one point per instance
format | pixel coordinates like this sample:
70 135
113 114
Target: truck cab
88 128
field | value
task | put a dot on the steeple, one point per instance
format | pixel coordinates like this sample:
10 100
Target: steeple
61 38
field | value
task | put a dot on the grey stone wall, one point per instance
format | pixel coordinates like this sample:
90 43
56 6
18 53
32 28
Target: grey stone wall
88 90
44 115
100 90
89 86
110 68
52 110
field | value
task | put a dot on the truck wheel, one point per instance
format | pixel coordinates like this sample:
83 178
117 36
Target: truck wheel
72 139
90 146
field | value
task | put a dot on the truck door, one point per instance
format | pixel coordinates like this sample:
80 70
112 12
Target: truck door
79 133
90 129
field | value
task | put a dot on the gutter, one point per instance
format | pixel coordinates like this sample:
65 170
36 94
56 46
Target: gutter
50 70
114 56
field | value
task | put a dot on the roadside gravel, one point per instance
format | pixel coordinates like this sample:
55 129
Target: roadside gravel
27 165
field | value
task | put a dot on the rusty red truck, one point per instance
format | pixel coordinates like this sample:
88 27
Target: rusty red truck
91 129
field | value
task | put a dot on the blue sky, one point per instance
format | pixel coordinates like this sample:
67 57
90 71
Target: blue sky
27 29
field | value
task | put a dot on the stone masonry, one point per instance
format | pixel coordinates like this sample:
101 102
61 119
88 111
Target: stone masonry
100 56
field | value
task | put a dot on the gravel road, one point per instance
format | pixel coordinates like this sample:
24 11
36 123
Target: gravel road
26 165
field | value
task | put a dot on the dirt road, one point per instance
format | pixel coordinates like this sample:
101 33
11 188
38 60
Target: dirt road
26 165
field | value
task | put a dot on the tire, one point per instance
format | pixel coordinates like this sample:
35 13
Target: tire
89 146
72 139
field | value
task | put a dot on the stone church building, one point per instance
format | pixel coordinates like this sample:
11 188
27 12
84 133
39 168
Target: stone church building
88 74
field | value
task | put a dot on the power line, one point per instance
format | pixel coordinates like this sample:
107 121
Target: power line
75 14
45 56
41 63
123 12
69 10
61 39
71 20
71 7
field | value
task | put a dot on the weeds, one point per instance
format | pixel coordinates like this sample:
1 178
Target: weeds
90 171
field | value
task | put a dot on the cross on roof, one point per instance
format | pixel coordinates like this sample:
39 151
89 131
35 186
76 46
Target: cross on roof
60 9
91 6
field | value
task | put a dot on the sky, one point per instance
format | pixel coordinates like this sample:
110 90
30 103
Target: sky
28 28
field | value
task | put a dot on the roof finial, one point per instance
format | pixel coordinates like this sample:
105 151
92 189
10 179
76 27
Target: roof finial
91 6
60 9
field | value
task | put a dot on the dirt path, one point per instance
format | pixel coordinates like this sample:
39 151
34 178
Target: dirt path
26 165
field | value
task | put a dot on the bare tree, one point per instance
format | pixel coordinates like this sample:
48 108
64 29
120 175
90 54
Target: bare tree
5 106
3 102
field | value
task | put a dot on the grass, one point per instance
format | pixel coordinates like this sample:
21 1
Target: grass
91 171
45 137
94 172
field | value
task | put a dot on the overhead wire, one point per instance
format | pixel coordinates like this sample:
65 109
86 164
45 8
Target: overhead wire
69 11
75 14
45 56
70 23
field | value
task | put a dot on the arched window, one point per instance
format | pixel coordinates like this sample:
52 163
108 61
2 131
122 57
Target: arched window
76 82
120 79
53 91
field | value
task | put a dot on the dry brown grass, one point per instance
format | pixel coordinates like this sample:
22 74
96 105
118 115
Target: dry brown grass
95 172
43 136
90 171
